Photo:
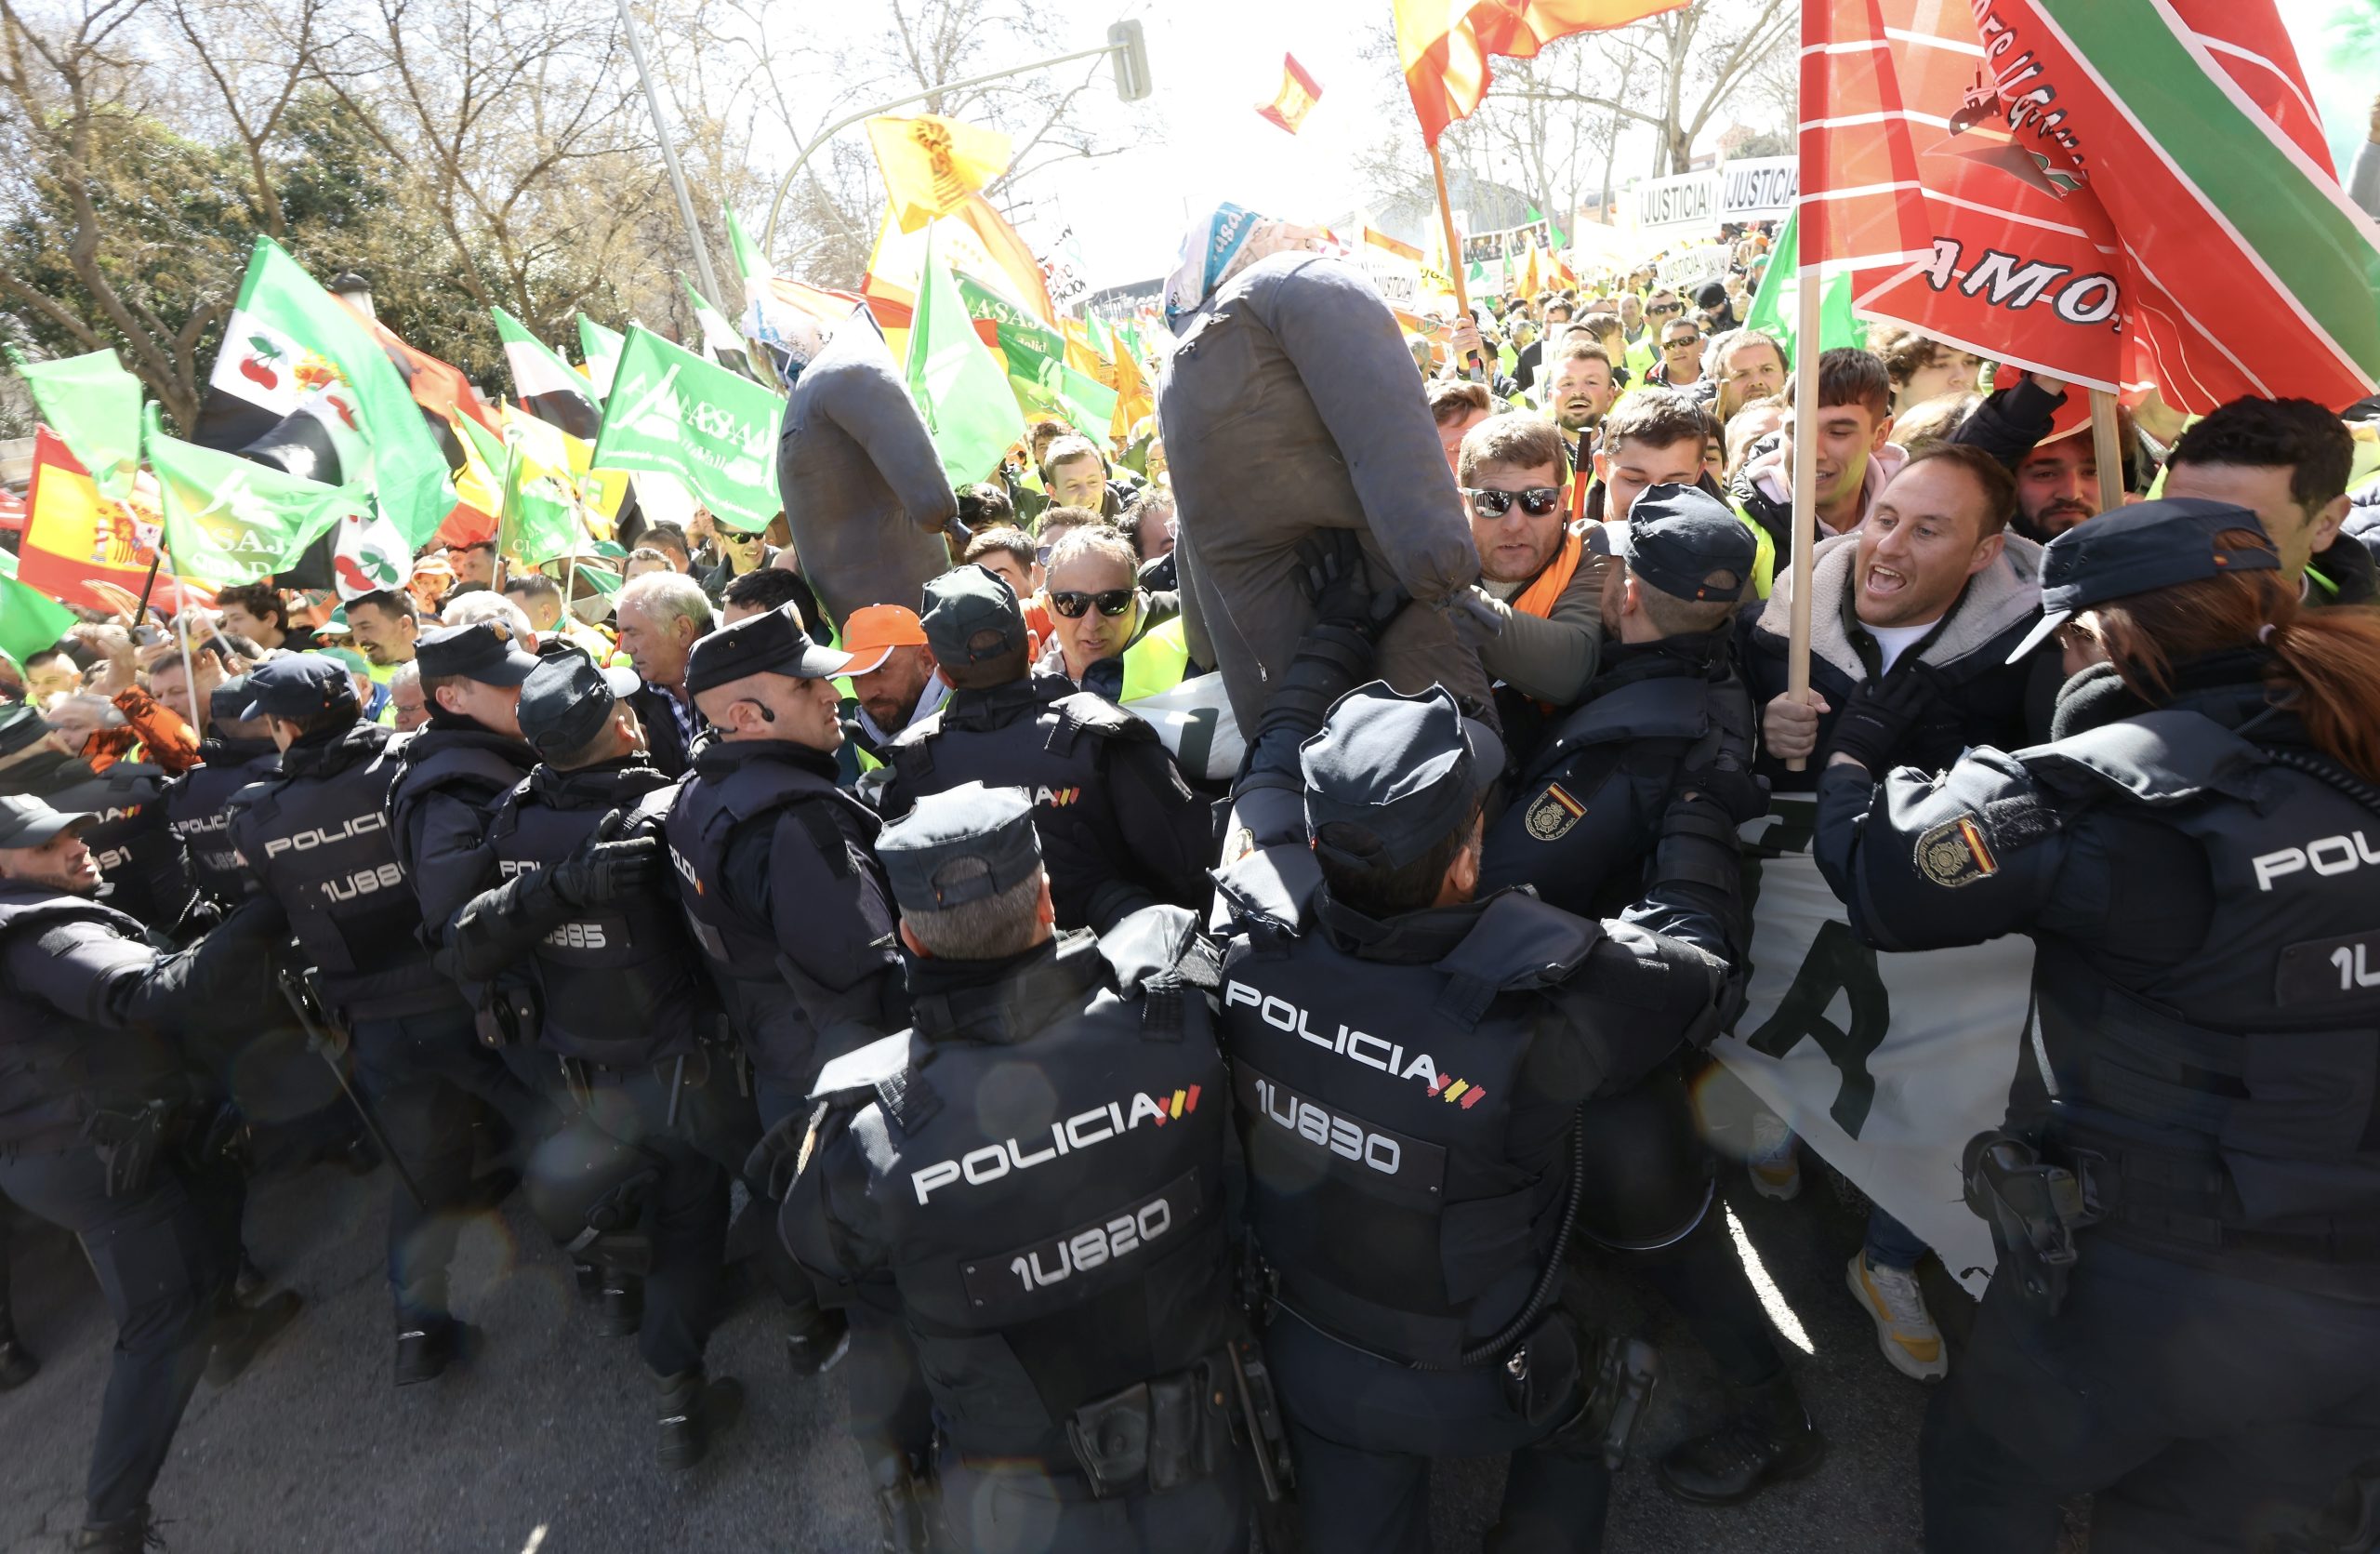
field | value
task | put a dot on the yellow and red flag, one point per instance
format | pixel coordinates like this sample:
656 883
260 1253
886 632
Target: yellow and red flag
974 241
933 166
76 535
1296 98
1443 45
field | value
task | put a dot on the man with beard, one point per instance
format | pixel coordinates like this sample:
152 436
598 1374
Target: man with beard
2057 473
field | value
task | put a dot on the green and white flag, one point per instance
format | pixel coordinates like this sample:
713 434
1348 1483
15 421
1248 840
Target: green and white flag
958 385
230 520
677 413
751 267
1035 359
601 349
94 404
286 340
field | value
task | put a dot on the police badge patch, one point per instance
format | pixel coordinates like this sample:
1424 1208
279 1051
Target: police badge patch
1955 854
1551 818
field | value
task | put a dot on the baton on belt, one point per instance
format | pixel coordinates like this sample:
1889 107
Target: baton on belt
324 1038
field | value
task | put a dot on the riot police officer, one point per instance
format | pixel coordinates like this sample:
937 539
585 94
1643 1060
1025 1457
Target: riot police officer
1596 821
452 772
295 1112
1412 1066
2185 1320
1033 1178
102 1135
778 874
1119 828
143 871
317 838
616 1003
198 807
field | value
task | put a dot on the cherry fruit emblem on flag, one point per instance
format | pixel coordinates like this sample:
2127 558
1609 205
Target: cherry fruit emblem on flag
1296 98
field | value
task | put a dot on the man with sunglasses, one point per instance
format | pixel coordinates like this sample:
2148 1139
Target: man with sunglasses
1119 828
739 552
1515 475
1681 363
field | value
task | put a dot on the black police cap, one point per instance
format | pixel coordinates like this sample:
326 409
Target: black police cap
484 651
1398 773
2139 549
770 643
299 685
958 845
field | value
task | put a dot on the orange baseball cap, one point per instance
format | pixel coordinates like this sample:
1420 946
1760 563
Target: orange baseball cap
871 634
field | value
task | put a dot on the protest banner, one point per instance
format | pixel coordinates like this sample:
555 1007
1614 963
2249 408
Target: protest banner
1885 1064
1683 204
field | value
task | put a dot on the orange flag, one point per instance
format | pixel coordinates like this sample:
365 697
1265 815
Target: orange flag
1443 45
1296 98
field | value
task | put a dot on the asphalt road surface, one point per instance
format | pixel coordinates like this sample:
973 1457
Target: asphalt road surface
546 1441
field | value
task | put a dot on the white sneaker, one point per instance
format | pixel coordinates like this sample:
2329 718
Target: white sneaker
1905 1330
1775 1163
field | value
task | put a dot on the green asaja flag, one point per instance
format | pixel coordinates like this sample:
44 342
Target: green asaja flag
1034 358
541 504
673 413
30 620
601 349
957 383
230 520
94 404
1776 307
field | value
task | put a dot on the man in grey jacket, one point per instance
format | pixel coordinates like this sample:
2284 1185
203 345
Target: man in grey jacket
1289 406
862 488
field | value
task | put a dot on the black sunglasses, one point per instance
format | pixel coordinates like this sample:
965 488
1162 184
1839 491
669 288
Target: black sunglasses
1537 501
1074 605
1680 340
1663 310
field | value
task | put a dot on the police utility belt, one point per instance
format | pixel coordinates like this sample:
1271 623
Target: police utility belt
130 1142
1159 1434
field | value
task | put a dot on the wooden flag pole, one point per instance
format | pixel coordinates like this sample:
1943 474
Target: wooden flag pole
1454 246
2107 446
1807 291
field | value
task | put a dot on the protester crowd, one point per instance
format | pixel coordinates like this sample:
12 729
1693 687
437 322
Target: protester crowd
1163 1143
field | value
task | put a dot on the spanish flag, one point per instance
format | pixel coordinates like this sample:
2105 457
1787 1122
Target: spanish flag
1296 98
1443 45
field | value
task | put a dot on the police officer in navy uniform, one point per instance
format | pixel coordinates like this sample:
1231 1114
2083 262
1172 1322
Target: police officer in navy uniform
1596 821
777 875
1417 1072
1032 1177
141 864
458 767
198 807
620 1010
1585 820
2184 1317
295 1112
1119 828
317 837
101 1134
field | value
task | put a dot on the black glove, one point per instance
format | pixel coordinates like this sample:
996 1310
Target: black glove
769 1170
608 867
1331 570
1728 784
1875 722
